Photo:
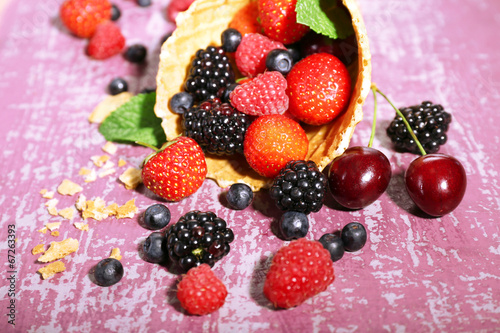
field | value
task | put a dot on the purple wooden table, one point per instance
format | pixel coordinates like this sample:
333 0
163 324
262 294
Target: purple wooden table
415 274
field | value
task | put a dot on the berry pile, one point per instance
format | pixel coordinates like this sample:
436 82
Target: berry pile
209 73
429 123
351 239
217 127
299 186
197 238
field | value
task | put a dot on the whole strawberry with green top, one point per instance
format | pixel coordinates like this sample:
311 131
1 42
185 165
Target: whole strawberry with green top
175 171
319 88
279 21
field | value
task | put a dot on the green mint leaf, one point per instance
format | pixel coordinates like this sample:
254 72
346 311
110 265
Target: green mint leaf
135 121
325 17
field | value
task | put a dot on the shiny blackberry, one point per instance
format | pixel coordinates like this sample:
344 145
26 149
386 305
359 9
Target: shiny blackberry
197 238
209 74
429 122
300 187
217 127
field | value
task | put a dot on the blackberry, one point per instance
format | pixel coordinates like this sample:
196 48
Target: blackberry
429 123
209 74
217 127
300 187
197 238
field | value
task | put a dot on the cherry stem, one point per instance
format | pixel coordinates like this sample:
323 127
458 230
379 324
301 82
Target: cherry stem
408 127
374 121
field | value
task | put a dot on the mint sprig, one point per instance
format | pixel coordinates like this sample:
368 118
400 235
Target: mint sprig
325 17
135 121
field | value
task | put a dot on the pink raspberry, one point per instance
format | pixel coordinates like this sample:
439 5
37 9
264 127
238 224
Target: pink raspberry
263 95
252 51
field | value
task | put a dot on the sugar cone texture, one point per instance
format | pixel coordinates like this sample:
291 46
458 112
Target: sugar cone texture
200 26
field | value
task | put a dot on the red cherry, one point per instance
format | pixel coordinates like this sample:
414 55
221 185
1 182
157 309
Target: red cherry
436 183
359 177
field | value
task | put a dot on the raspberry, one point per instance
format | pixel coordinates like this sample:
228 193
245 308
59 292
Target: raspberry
106 42
198 238
210 72
82 17
298 271
300 187
429 123
217 127
252 51
200 291
263 95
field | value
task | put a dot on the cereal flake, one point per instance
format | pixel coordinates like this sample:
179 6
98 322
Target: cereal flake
51 269
58 250
67 187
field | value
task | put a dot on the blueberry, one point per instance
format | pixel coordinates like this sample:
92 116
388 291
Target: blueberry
279 60
154 249
293 225
117 86
115 12
136 53
156 217
108 272
144 3
333 243
239 196
353 236
230 39
181 102
226 92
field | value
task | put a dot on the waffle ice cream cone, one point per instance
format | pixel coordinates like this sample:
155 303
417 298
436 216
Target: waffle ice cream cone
200 26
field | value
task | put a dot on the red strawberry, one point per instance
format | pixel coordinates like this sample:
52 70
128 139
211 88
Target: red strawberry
265 94
82 17
246 19
271 141
252 51
319 88
279 21
177 170
200 291
298 271
106 42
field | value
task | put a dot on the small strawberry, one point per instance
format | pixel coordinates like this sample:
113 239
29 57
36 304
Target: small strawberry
246 19
200 291
273 140
82 17
319 88
279 21
106 42
298 272
177 170
252 51
264 94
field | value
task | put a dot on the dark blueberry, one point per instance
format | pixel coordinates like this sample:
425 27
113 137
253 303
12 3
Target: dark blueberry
136 53
117 86
239 196
293 225
154 249
353 236
333 243
108 272
181 102
279 60
115 12
225 93
144 3
230 39
156 217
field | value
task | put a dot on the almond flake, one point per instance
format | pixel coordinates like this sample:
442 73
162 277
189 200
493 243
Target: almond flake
131 178
95 209
40 248
53 226
51 269
67 187
81 226
128 210
112 209
67 213
115 253
52 211
99 160
58 250
110 148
